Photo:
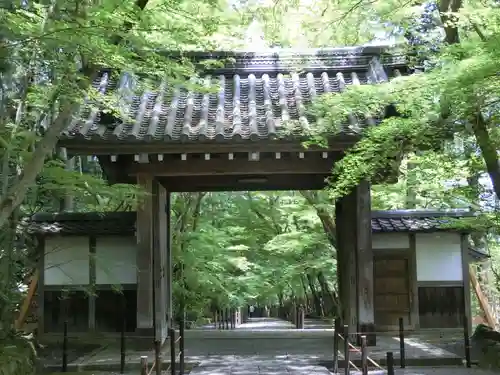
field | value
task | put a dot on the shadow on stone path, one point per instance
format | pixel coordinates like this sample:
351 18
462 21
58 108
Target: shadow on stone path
268 346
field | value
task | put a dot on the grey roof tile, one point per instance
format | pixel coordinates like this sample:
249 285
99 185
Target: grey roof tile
255 95
416 220
124 222
82 223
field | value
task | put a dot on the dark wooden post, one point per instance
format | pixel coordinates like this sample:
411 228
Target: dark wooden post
336 327
346 270
166 241
144 365
402 355
182 325
364 263
347 353
122 342
65 348
154 266
468 362
364 356
390 363
171 333
355 259
157 346
92 281
40 292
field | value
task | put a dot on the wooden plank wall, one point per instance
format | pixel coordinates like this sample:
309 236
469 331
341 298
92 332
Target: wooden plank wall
441 306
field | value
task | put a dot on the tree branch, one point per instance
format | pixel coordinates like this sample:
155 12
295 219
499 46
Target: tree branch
488 150
17 192
261 216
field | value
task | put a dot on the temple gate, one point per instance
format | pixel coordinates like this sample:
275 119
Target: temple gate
174 140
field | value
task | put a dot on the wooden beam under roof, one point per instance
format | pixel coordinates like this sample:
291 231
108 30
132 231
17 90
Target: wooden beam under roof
82 147
221 164
244 183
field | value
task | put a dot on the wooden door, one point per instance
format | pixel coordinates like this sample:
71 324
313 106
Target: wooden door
392 294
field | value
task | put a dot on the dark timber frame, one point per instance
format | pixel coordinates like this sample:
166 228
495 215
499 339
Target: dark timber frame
229 140
300 170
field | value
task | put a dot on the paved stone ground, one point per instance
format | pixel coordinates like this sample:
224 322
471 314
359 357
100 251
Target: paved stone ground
274 347
274 337
286 369
270 346
249 366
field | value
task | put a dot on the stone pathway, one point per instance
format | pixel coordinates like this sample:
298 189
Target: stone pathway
285 368
274 347
259 367
265 324
312 370
270 346
271 337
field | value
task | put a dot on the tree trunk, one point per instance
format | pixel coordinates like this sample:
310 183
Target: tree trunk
281 307
411 182
16 194
329 296
327 220
305 301
479 123
488 150
318 305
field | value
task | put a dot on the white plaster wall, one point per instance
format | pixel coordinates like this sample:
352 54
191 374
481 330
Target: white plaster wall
390 241
439 257
116 260
66 260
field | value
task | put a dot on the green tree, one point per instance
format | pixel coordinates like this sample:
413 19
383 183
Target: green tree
50 54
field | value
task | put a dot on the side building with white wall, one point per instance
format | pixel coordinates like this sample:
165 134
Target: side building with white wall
88 271
420 270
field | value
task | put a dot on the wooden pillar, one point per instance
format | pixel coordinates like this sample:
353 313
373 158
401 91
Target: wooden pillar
364 263
40 289
346 262
464 244
355 261
412 266
167 241
144 257
152 240
162 268
92 281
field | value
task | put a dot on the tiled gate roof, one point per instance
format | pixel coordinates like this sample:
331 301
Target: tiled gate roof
401 221
252 97
415 220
